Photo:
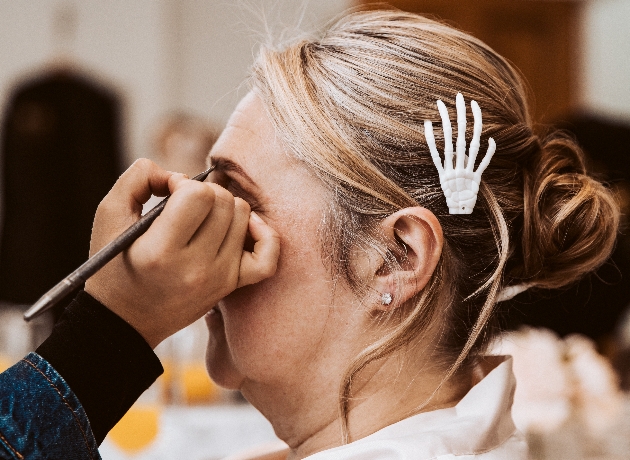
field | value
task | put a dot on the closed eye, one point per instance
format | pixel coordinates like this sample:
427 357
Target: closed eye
237 190
229 175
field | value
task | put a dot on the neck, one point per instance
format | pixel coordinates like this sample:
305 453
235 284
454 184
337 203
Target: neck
392 389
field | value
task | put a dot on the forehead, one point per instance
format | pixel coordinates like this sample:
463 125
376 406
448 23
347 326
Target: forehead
248 136
250 141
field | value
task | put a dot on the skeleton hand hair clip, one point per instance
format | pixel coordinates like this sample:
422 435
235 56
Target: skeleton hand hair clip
459 184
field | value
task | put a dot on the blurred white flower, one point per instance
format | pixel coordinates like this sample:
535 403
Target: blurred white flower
596 394
542 401
557 379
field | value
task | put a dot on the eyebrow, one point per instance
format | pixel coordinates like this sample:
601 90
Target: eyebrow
225 164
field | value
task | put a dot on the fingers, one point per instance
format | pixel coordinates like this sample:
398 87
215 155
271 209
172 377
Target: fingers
492 146
476 140
235 237
428 134
448 136
187 208
262 263
212 232
461 131
136 185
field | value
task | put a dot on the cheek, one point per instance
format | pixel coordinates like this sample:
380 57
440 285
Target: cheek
272 328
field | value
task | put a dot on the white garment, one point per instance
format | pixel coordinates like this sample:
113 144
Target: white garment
480 426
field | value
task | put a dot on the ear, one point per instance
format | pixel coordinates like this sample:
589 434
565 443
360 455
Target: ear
417 234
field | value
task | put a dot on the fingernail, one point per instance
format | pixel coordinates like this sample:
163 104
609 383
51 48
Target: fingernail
256 218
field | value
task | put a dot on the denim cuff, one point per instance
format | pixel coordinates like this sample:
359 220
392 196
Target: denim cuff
40 416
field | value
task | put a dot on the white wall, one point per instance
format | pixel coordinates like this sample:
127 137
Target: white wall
219 43
606 84
193 55
120 42
162 55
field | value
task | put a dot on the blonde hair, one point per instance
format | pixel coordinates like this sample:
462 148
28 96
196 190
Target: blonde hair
351 105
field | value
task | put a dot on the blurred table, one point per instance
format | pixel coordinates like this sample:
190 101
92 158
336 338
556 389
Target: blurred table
198 433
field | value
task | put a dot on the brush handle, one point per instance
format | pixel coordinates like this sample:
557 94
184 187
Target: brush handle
100 259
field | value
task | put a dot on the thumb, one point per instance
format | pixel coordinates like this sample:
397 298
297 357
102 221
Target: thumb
263 261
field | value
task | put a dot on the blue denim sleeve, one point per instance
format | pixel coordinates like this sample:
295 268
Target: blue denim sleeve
40 416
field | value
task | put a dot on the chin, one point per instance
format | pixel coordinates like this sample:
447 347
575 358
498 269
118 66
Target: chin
227 380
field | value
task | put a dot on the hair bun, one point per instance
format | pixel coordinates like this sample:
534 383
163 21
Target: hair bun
570 219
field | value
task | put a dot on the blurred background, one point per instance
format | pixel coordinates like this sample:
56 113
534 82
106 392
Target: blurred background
86 87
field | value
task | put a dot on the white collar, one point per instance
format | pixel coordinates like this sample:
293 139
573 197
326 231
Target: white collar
479 423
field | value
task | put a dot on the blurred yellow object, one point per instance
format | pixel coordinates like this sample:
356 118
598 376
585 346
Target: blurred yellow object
166 381
197 387
5 363
137 429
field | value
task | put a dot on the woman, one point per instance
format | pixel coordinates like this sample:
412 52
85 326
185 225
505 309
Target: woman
368 341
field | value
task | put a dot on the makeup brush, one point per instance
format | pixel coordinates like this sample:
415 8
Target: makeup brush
98 260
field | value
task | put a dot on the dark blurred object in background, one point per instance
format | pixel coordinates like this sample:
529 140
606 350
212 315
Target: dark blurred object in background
61 154
607 144
621 355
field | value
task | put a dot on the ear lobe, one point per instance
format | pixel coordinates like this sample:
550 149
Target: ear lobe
418 234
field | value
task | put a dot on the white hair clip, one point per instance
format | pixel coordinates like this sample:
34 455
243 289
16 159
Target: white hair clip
460 184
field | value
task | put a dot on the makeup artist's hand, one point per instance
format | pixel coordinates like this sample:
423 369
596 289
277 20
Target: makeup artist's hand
190 258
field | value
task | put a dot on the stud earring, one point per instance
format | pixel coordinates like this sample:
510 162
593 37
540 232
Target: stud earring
386 298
